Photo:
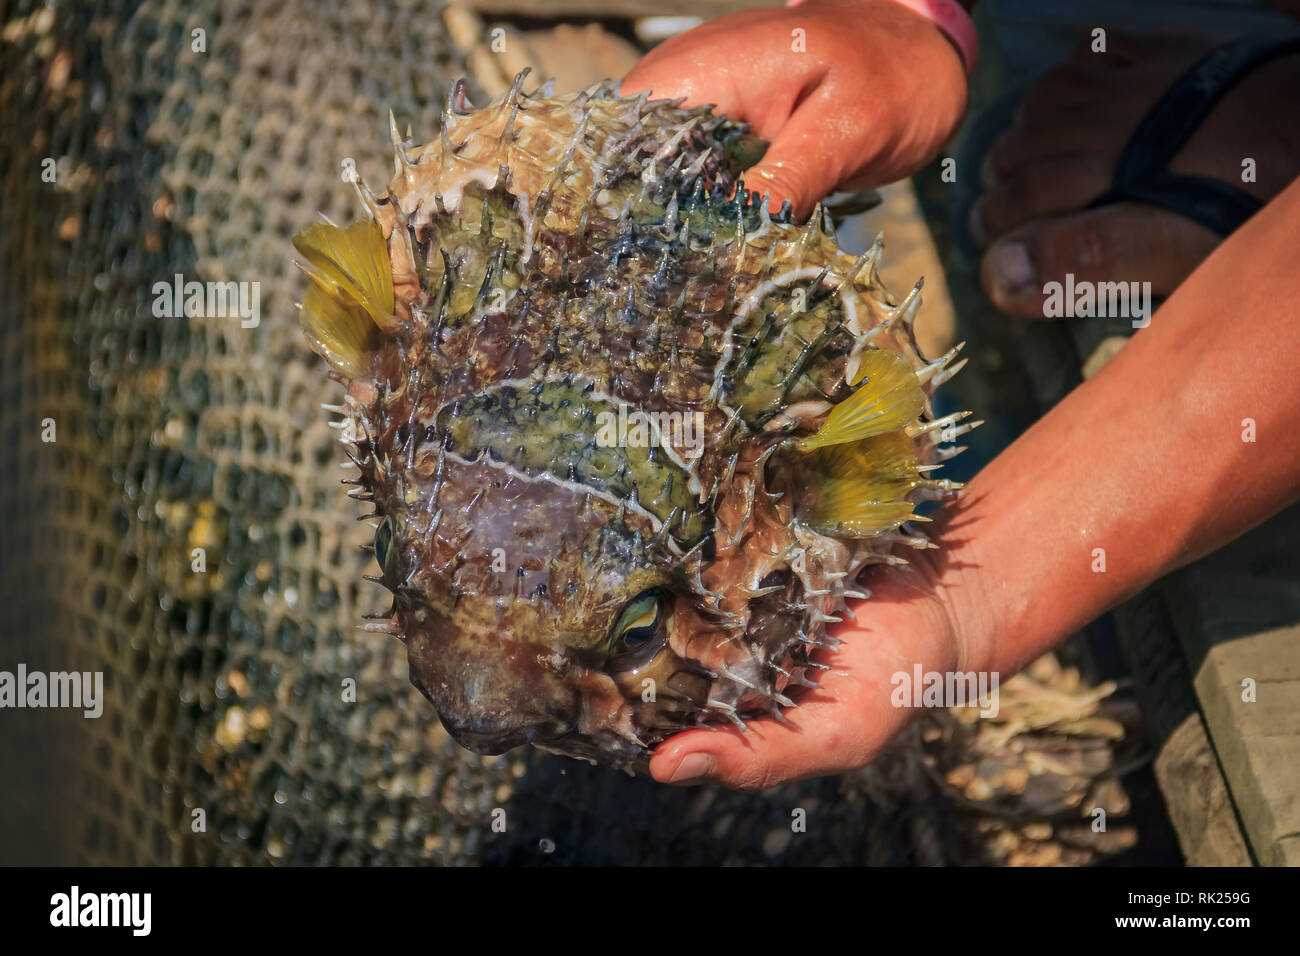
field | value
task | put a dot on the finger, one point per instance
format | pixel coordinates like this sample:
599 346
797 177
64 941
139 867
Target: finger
673 77
1050 186
815 739
1065 87
785 115
1124 242
805 159
780 181
1020 146
689 65
839 726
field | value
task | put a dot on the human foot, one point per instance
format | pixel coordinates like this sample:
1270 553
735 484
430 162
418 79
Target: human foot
1060 155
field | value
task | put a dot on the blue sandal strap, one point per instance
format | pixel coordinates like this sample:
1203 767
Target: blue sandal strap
1142 172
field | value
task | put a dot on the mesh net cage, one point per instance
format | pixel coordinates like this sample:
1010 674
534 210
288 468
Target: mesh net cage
170 513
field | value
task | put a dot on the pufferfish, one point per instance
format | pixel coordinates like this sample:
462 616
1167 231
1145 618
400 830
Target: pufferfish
630 436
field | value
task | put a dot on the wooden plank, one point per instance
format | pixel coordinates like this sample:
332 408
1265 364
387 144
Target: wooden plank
1270 655
1263 771
1238 616
1289 851
1197 798
1186 769
1269 708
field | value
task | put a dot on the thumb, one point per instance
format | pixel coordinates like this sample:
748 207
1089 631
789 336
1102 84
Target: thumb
784 177
805 160
802 163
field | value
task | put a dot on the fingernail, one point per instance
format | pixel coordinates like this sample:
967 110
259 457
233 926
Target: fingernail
692 769
1012 269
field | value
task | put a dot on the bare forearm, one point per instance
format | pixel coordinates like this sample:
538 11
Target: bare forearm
1146 461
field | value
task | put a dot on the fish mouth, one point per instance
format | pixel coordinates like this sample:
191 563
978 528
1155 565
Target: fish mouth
493 741
602 747
683 701
492 696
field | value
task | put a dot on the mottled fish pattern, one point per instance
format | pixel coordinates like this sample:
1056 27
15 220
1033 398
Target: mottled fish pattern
630 436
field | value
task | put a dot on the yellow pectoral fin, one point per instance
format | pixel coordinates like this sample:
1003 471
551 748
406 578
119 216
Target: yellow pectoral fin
889 398
352 266
341 333
867 520
860 490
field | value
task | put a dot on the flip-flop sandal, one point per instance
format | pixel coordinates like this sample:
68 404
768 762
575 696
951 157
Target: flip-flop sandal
1142 170
1141 173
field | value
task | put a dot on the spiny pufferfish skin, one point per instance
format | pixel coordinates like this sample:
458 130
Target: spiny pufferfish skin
630 438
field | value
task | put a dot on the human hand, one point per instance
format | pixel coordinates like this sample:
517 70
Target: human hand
873 94
912 617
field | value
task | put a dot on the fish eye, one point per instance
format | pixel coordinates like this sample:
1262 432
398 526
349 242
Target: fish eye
383 542
639 621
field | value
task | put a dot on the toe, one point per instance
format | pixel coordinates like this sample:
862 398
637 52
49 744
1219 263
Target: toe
1125 242
1048 187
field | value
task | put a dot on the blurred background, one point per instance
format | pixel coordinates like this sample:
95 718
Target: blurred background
196 138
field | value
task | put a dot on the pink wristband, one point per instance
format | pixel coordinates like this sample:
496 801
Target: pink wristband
950 17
